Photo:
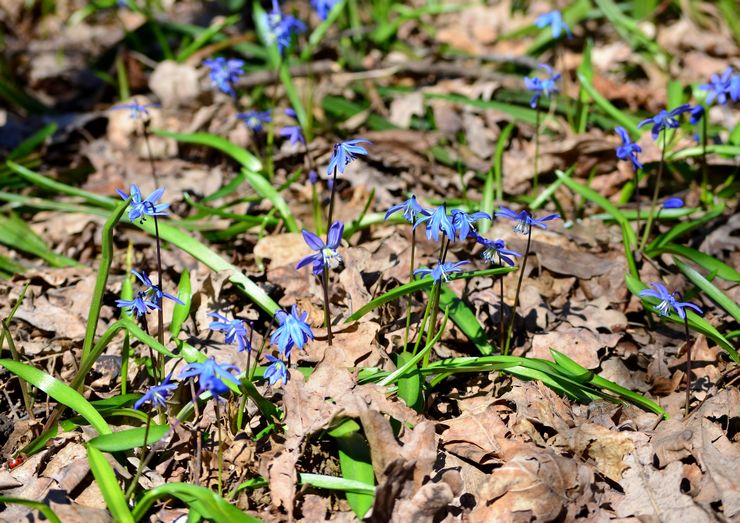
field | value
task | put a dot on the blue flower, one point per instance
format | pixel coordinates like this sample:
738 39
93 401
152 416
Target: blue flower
282 27
136 110
555 21
735 87
157 395
628 150
313 177
326 253
211 376
292 331
276 371
411 209
224 73
291 113
140 305
154 290
464 223
665 120
525 220
668 301
697 113
442 271
323 7
235 331
437 221
542 87
719 87
293 133
493 248
140 209
673 203
255 120
345 153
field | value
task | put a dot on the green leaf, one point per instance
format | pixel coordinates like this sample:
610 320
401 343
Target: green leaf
35 505
356 466
206 35
719 297
710 263
321 30
623 119
244 157
108 484
335 483
16 234
61 392
262 186
32 142
128 439
465 319
682 228
409 385
494 179
180 312
200 499
602 202
696 322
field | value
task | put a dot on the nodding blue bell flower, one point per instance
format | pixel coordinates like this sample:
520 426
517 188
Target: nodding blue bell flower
411 209
665 120
345 153
235 330
542 87
464 223
277 371
555 21
212 376
255 120
442 271
139 209
525 220
293 330
326 253
437 221
157 395
668 301
628 150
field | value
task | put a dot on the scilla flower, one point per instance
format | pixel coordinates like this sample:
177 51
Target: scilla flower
345 153
411 209
555 21
235 330
136 110
437 221
718 87
255 120
464 223
673 203
277 371
224 73
157 395
542 87
140 305
323 7
525 220
696 114
326 253
628 150
668 301
211 376
442 271
154 290
282 27
293 133
292 331
665 120
496 248
140 209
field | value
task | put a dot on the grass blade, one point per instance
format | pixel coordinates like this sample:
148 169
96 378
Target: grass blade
465 319
60 391
242 156
128 439
180 312
719 297
356 466
35 505
710 263
108 484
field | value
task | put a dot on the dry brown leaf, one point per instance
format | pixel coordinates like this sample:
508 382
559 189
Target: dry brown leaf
581 345
607 448
475 435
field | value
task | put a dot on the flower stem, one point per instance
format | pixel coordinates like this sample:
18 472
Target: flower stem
637 199
160 311
705 193
327 314
140 467
535 181
195 471
220 448
410 298
501 306
422 326
656 192
507 341
688 364
331 201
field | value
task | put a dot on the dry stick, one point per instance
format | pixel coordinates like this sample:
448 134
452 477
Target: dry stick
410 298
688 364
507 341
656 191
